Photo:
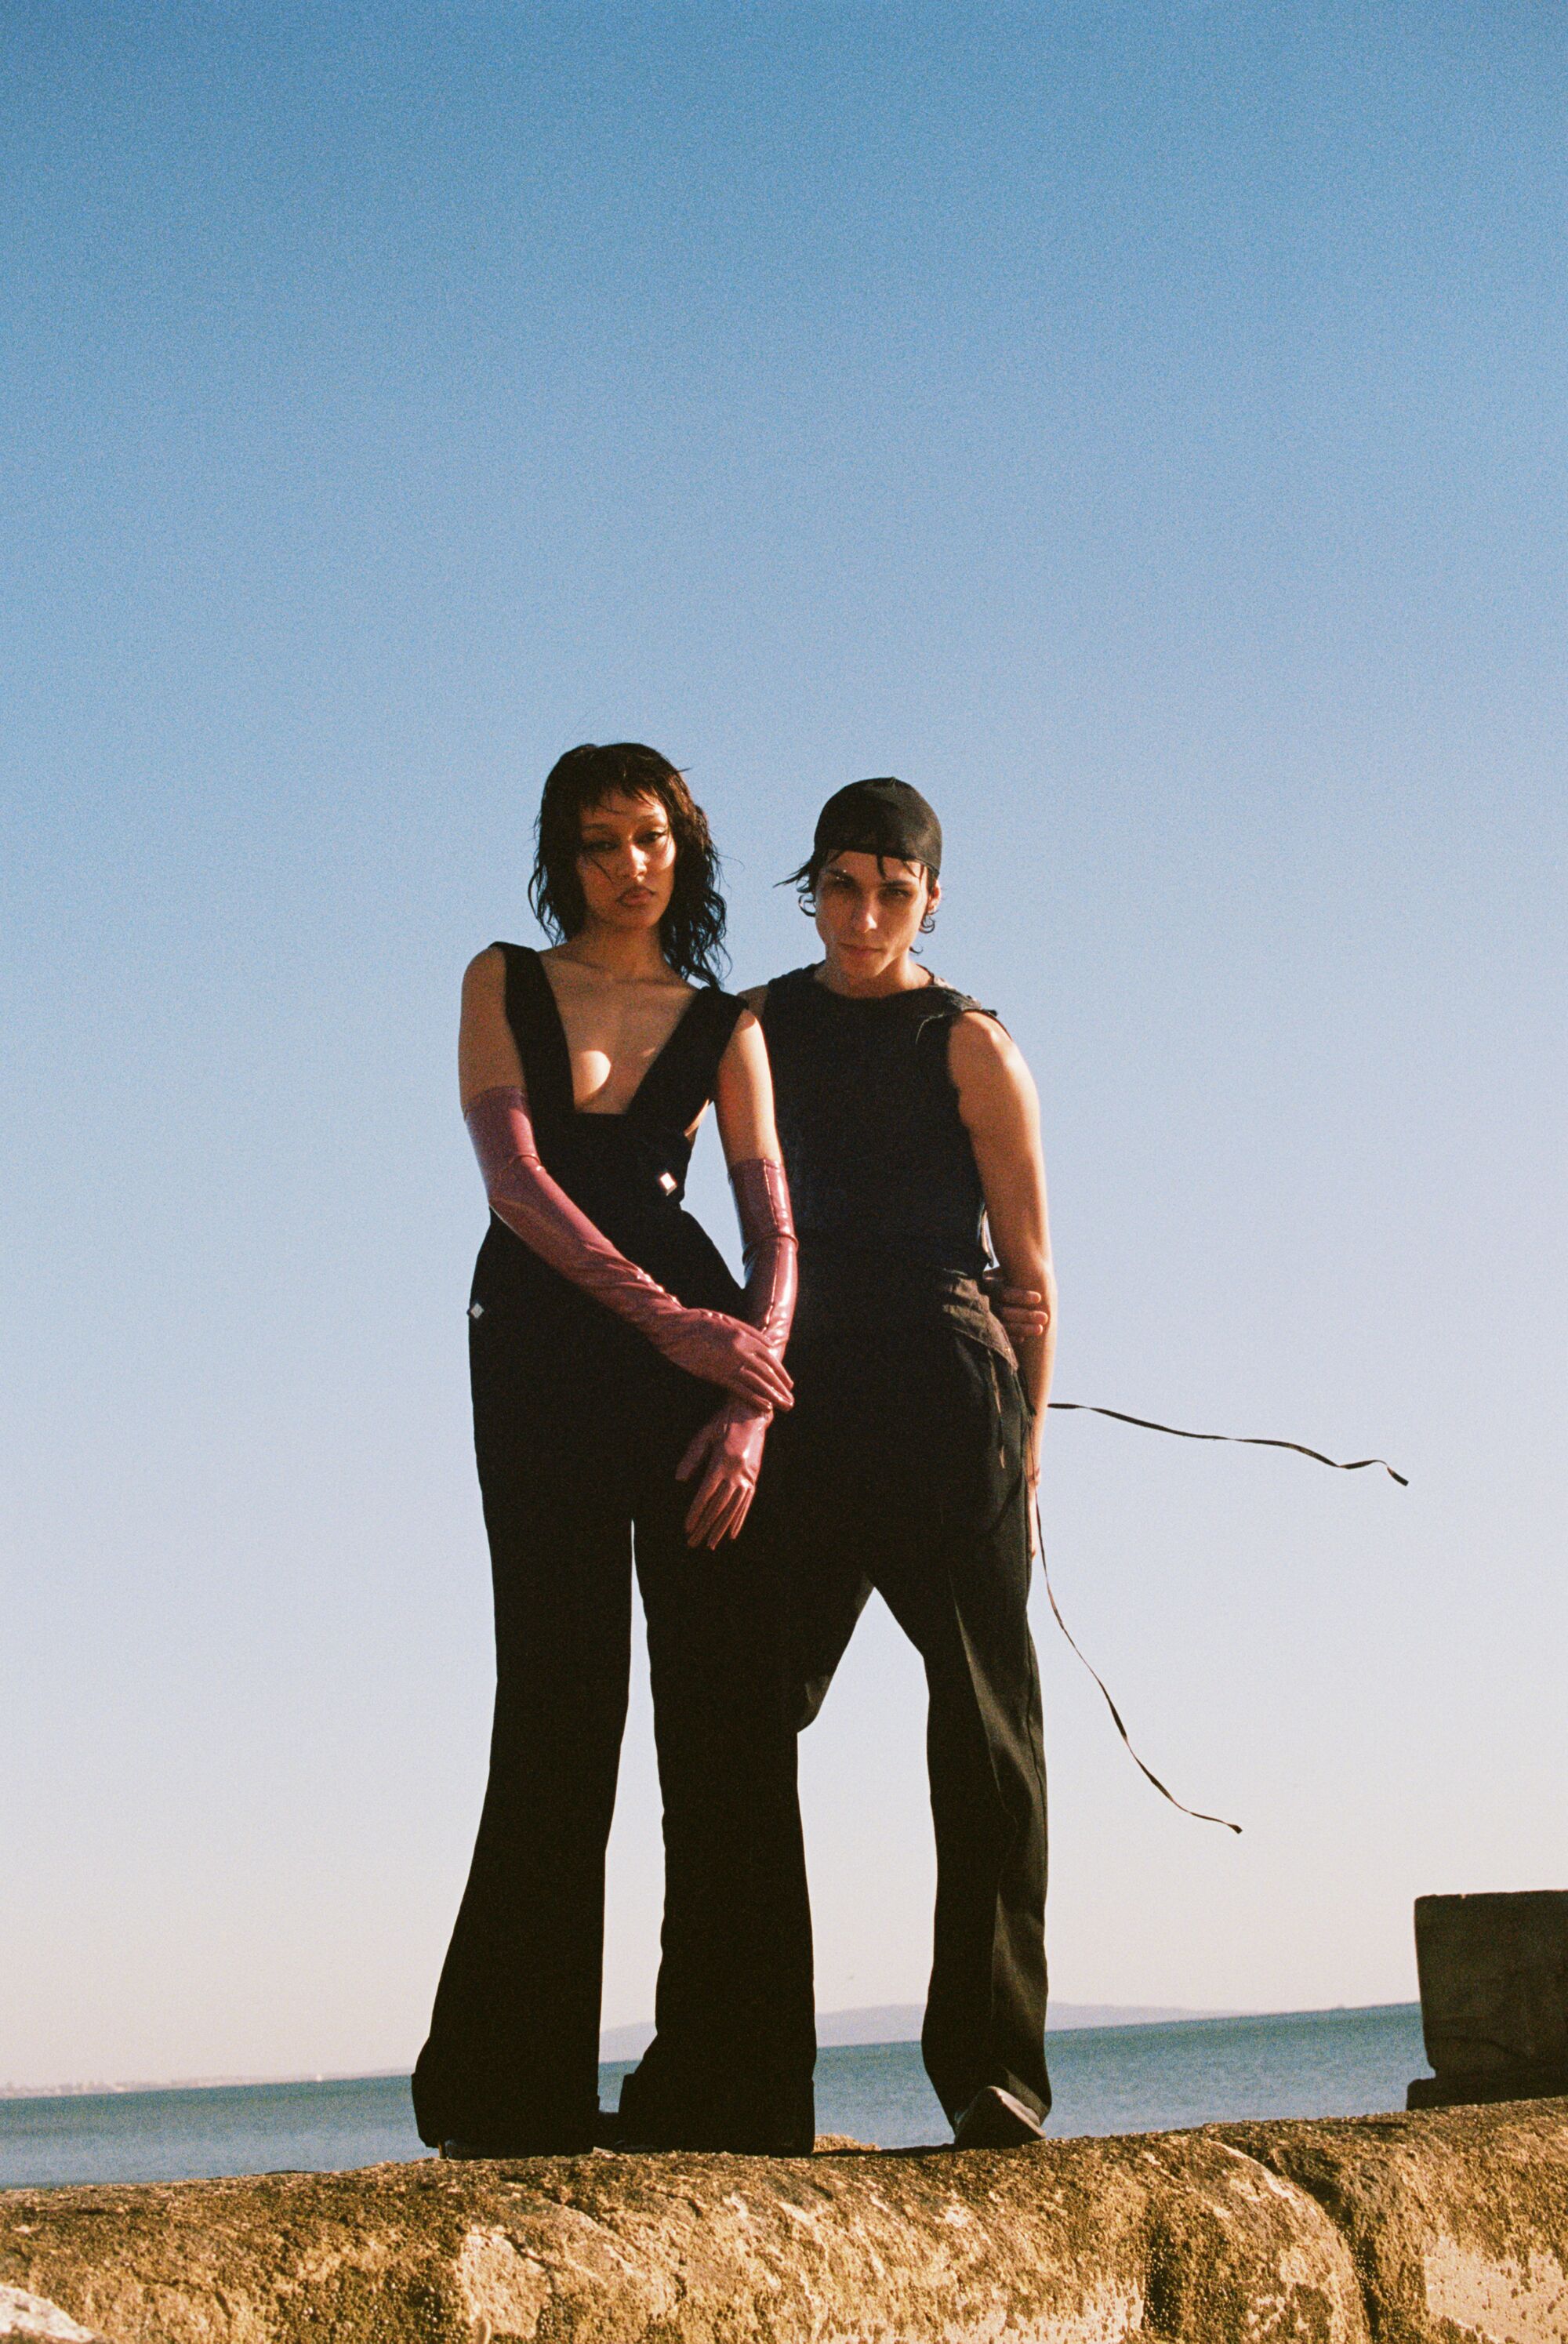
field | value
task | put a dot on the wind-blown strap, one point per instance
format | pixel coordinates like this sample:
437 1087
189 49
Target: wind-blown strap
1241 1440
1197 1814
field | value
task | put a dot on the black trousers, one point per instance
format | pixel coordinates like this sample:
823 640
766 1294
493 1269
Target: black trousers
902 1466
577 1445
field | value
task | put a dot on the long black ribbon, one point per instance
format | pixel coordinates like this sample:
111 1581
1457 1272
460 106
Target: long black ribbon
1241 1440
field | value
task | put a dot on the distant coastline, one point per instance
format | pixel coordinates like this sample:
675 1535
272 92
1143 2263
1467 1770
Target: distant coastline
899 2022
1142 2076
893 2022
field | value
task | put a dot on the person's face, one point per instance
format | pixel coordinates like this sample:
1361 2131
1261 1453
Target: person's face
869 913
627 860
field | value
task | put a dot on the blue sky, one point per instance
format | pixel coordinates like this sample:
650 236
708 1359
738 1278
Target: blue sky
1140 427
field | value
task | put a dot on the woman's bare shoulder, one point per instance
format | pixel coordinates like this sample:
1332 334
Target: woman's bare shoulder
484 981
485 974
487 1051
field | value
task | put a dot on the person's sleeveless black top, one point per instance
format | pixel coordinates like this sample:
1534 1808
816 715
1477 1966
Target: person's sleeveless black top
881 1176
627 1172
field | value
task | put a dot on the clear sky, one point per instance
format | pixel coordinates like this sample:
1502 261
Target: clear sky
1141 427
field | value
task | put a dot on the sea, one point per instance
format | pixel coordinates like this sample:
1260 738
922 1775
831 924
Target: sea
1107 2079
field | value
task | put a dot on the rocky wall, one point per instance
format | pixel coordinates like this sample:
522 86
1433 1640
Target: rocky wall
1450 2225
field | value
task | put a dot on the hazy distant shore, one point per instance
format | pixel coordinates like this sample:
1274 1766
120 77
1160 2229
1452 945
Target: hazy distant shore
891 2022
1134 2073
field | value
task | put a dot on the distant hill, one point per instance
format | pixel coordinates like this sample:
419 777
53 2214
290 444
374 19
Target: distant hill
899 2022
877 2022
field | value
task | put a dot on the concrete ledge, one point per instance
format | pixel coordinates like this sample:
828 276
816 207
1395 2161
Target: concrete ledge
1386 2230
1456 2089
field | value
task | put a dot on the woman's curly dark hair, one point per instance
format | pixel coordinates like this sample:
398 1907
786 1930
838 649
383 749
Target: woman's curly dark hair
692 931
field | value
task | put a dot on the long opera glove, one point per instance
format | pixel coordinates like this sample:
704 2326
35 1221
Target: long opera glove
772 1252
728 1453
706 1343
728 1450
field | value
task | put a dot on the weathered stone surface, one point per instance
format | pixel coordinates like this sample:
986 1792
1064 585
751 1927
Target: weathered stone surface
22 2314
1178 2235
1493 1996
1395 2229
1456 2221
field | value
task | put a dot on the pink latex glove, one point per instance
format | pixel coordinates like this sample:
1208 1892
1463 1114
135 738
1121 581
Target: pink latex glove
728 1452
706 1343
771 1249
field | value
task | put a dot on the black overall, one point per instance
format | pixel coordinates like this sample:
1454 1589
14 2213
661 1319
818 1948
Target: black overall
902 1466
579 1424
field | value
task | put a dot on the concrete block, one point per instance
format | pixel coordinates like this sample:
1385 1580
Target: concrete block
1493 1973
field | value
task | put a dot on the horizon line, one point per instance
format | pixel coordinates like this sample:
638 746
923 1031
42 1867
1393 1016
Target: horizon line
99 2090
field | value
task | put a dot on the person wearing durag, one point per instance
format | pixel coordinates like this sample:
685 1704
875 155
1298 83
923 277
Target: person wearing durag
909 1124
623 1385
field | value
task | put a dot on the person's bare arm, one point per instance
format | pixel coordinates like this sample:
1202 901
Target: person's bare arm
728 1451
487 1054
743 1097
1001 1112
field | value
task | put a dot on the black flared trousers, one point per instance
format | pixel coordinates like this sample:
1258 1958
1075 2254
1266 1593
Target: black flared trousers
576 1444
902 1466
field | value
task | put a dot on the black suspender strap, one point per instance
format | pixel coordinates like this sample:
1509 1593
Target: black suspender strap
1243 1440
1147 1424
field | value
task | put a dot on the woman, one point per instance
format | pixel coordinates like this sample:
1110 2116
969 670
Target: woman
909 1123
614 1358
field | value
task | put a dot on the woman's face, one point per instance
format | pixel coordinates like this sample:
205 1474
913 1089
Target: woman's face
869 913
627 860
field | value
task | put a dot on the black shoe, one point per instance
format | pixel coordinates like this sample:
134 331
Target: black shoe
995 2119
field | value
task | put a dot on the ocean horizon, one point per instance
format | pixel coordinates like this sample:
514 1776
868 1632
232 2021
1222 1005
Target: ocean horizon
878 2024
1140 2075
